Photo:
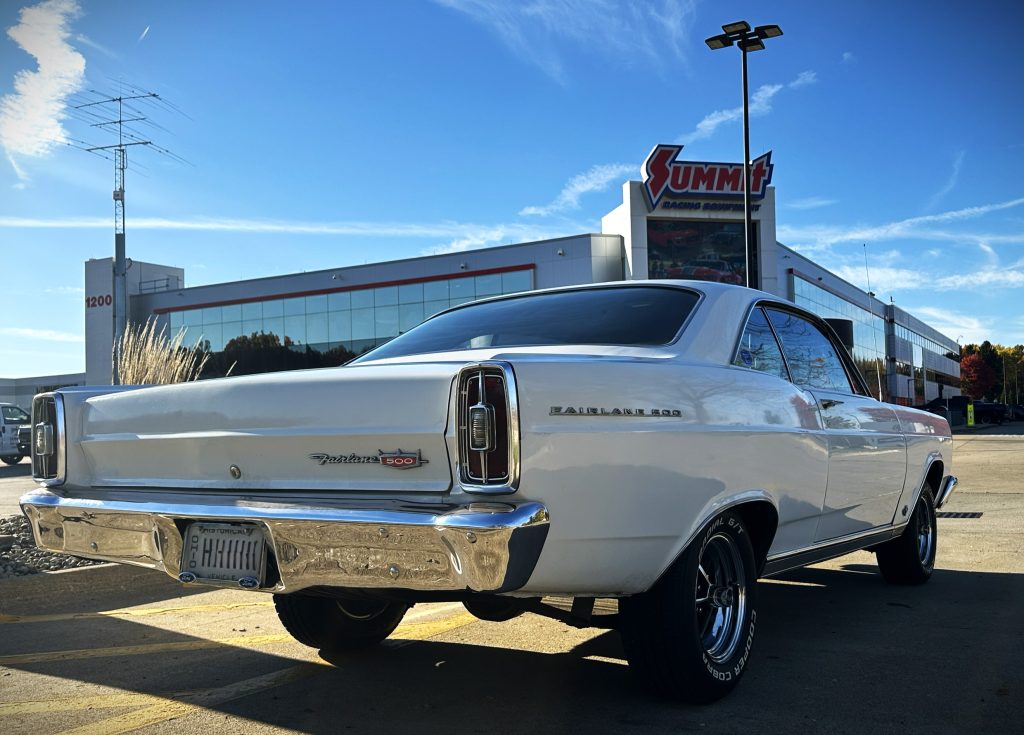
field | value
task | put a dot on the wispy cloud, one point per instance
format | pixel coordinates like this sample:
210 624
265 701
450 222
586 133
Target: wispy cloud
950 182
597 178
455 236
31 116
822 237
534 31
144 34
86 41
65 290
811 203
803 79
849 57
968 329
48 335
760 104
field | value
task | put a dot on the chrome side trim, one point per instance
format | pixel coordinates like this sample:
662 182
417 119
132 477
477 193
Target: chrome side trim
484 547
830 549
946 488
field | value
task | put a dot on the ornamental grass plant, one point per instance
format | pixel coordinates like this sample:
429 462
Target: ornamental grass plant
147 356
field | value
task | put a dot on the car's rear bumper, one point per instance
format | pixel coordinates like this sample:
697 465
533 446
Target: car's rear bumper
484 547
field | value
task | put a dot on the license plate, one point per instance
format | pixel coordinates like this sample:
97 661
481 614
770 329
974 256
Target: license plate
224 551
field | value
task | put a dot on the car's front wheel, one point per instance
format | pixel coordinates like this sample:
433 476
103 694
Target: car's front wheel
338 625
689 636
910 558
12 460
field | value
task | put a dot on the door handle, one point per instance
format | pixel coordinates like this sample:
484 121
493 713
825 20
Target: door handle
827 403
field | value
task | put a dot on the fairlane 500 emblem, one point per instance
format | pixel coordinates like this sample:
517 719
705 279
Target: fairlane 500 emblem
601 411
398 460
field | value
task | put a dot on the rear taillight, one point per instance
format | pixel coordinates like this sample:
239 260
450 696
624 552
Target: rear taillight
488 429
48 439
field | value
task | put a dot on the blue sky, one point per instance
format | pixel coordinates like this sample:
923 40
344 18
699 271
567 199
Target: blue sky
327 134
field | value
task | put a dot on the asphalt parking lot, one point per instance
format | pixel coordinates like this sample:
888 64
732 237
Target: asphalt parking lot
115 650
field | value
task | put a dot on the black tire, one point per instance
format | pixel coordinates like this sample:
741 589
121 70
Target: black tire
688 638
331 624
910 558
12 460
493 608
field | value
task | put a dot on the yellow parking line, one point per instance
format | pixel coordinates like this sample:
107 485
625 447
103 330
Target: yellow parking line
145 649
156 709
129 613
168 709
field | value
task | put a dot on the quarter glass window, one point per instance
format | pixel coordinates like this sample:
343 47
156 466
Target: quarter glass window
758 349
813 361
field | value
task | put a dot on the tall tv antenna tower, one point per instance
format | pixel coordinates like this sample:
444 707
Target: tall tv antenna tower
98 112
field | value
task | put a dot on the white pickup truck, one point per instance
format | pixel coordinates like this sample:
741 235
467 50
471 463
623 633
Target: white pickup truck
664 443
14 425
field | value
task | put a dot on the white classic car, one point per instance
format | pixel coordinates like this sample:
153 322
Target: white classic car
665 443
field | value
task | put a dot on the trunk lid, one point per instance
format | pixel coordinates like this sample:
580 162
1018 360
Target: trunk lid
374 428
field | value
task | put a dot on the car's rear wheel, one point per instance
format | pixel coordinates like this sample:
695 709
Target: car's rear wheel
493 608
11 460
910 558
689 636
338 625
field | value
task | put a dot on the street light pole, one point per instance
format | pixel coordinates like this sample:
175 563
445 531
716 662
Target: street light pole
748 223
740 35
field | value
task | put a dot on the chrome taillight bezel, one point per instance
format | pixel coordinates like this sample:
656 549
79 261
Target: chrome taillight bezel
473 406
49 468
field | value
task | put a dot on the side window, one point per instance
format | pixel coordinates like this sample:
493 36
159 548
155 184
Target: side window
758 349
811 357
14 415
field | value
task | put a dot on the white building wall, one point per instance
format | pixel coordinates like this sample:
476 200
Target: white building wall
99 310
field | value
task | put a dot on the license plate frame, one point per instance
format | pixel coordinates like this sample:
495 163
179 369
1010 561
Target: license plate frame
223 552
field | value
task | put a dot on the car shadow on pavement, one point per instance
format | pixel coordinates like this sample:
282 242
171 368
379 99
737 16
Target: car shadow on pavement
837 650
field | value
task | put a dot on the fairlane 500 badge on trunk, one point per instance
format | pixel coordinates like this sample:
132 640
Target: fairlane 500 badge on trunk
398 460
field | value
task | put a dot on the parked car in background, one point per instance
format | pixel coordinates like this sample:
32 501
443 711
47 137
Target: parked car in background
12 420
991 413
665 443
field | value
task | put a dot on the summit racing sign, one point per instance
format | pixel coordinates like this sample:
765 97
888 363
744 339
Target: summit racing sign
664 175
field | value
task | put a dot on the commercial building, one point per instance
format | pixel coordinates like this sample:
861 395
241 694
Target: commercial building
685 219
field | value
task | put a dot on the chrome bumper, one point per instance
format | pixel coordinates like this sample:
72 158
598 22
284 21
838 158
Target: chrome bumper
484 547
945 490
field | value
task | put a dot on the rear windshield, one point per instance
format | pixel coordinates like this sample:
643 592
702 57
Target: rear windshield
634 315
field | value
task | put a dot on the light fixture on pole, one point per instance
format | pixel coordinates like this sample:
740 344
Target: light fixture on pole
740 35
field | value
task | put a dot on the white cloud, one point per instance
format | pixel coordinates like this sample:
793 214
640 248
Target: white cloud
968 329
893 280
653 32
66 290
30 117
86 41
821 237
849 57
597 178
811 203
760 104
144 33
803 79
49 335
950 182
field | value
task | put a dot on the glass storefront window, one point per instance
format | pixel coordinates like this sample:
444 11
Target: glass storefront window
516 281
410 293
699 250
353 320
339 301
488 285
252 311
435 291
316 304
273 308
316 328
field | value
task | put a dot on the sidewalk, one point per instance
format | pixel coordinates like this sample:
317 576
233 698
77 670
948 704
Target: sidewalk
1010 428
